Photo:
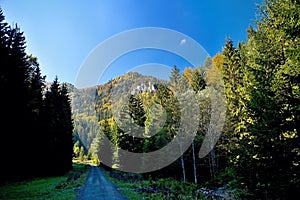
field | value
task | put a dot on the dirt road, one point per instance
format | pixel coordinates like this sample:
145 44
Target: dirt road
97 187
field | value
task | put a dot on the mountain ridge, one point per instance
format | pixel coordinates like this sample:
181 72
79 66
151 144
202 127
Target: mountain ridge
91 104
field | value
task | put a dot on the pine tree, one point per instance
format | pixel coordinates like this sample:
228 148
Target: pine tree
176 83
136 110
43 125
274 98
59 125
4 100
14 79
67 123
262 86
234 77
4 50
198 82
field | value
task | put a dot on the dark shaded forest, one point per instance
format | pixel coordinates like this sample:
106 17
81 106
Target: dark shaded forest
36 136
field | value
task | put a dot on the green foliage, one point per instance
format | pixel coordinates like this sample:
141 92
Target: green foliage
262 86
198 82
56 187
57 118
136 188
81 153
96 160
258 154
85 119
155 111
136 110
76 147
38 120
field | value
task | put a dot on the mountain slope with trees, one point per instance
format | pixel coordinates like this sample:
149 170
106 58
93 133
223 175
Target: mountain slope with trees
258 152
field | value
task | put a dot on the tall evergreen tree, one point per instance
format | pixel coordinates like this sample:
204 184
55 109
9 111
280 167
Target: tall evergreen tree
59 126
32 122
273 50
4 58
262 87
136 110
14 79
176 84
67 123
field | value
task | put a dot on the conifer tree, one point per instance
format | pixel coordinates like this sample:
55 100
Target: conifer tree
262 86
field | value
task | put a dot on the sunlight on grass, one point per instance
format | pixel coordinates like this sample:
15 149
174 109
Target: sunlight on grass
126 188
137 188
61 187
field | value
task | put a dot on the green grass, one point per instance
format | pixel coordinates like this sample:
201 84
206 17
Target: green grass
134 187
126 187
60 187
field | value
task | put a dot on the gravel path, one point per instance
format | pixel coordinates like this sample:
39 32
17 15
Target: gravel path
97 187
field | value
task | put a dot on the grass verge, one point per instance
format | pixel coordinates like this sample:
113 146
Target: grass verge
58 187
134 187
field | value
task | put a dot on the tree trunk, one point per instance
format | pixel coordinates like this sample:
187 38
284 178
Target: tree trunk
182 163
213 163
194 163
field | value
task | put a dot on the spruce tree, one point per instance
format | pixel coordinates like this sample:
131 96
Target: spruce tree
59 125
261 79
67 123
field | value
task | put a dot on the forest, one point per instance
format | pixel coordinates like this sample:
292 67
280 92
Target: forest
258 152
37 127
257 155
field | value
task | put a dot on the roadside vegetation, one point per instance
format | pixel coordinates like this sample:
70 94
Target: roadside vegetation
56 187
137 187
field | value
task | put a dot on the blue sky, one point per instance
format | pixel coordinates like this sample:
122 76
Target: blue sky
62 34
